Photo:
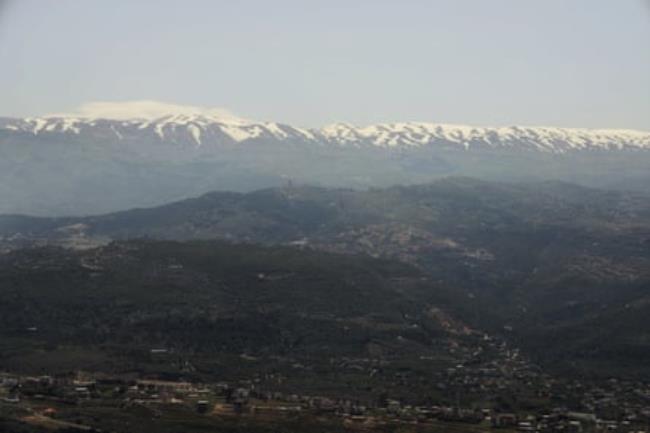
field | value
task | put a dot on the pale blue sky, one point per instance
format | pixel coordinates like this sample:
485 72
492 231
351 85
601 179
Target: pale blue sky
583 63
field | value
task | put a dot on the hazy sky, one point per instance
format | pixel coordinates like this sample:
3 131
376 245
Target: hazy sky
582 63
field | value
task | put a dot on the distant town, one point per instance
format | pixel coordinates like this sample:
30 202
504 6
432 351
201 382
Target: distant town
608 406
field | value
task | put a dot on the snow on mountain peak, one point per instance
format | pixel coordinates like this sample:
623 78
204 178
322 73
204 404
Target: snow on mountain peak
547 139
178 123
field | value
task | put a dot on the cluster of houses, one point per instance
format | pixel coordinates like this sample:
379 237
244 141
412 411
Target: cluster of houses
482 371
245 398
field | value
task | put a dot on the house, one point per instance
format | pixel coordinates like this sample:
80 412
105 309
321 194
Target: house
202 406
12 398
525 426
501 420
574 427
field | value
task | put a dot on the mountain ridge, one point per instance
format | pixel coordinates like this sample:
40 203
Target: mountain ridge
75 164
211 130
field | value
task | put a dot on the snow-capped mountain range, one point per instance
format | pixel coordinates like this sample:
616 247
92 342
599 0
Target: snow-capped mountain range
200 130
113 156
